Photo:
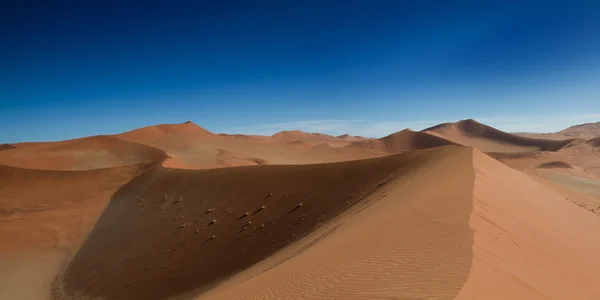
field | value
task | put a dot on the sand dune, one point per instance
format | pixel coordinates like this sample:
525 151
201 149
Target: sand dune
43 209
171 136
405 140
488 139
94 152
351 138
185 145
582 130
448 222
6 147
43 217
429 224
161 239
191 147
529 242
316 138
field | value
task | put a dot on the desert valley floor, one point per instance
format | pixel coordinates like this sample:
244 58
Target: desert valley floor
456 211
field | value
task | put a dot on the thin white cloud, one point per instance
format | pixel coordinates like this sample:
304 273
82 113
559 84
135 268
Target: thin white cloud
371 128
541 124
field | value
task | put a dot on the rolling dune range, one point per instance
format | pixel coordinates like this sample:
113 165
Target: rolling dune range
456 211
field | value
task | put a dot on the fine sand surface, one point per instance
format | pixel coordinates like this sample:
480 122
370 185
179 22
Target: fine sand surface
413 243
158 232
176 212
529 242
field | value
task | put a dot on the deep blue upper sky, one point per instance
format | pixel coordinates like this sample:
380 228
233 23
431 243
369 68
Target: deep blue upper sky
70 69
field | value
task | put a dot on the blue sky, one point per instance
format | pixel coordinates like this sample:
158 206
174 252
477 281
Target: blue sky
69 69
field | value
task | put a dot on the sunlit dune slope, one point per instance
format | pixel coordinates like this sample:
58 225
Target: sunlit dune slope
53 210
530 242
170 232
488 139
171 136
94 152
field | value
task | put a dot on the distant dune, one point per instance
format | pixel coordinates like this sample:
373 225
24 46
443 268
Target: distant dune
488 139
7 147
583 130
351 138
405 140
191 147
96 152
316 138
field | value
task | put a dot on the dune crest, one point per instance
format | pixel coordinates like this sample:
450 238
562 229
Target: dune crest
402 141
158 135
530 243
488 139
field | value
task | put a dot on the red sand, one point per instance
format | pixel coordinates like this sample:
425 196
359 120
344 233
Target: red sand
443 223
402 141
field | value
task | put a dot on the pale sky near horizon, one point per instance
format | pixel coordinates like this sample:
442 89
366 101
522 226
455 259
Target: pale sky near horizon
70 69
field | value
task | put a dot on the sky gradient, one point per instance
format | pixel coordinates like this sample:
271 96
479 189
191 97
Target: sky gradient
69 69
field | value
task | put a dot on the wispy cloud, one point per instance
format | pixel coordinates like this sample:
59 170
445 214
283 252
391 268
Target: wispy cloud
377 128
538 123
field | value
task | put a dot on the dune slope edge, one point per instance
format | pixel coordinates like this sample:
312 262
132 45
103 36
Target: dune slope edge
530 242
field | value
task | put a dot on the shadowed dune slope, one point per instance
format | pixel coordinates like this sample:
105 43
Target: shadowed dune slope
402 141
555 164
595 142
96 152
488 139
403 230
6 147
